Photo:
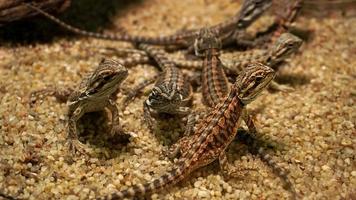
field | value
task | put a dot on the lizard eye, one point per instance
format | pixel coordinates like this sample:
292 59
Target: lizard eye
259 79
108 78
268 59
290 45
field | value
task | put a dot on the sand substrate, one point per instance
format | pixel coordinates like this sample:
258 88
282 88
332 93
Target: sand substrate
315 122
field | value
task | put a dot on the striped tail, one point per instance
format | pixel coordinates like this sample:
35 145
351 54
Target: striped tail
168 179
160 40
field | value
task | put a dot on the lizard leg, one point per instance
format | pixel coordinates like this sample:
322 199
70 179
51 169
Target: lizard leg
147 115
181 145
182 110
172 152
192 120
249 123
61 94
115 124
177 148
189 127
231 170
133 93
73 141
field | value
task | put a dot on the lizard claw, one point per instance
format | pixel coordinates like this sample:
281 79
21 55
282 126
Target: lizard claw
76 146
118 135
116 130
238 172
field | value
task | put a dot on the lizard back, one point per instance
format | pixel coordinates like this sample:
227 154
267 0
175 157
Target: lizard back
172 88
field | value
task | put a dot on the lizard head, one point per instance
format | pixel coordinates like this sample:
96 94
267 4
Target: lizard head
285 45
206 39
106 78
251 10
251 82
166 98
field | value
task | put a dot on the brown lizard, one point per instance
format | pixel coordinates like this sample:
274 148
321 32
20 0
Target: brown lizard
213 134
172 91
215 87
281 25
284 46
95 93
250 11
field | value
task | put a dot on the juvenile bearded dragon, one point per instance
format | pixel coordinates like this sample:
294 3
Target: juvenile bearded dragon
172 91
215 88
94 93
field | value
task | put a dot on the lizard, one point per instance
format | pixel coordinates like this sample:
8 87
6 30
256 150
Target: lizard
281 25
212 136
94 93
250 11
172 91
215 87
284 46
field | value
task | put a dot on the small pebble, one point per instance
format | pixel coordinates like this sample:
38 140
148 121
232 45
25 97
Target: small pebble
203 194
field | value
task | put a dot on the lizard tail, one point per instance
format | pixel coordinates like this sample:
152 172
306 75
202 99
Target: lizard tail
169 178
161 40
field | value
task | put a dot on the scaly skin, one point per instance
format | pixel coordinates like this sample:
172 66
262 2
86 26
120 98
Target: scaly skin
94 93
213 135
215 85
172 91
